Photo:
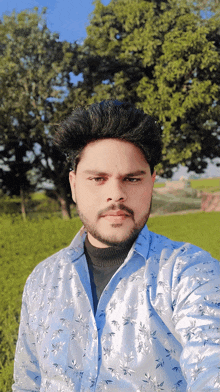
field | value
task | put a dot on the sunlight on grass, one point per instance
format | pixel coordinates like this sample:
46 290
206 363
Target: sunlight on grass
200 228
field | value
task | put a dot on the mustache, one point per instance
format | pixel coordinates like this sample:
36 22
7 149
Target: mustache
114 207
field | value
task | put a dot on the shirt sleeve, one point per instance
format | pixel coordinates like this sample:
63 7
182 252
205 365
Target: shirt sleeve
196 316
26 367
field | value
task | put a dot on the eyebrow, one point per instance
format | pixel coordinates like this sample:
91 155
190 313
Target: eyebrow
133 174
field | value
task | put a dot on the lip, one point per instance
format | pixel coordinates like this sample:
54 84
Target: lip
114 214
115 217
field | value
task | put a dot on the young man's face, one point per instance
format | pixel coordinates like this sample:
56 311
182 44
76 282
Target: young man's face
112 188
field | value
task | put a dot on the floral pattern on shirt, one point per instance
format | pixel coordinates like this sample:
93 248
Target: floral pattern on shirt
157 325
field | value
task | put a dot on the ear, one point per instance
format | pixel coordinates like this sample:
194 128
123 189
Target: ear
154 176
72 180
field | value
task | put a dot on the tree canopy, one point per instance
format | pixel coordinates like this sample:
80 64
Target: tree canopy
35 71
163 56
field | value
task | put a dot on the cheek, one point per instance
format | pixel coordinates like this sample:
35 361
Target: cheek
85 198
142 200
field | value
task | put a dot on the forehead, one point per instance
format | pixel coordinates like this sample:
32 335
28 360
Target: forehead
112 154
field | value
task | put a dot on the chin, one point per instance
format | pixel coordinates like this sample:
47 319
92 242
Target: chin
115 240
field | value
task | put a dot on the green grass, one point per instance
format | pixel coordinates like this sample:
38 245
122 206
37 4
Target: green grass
200 228
178 200
159 184
38 196
22 246
206 184
203 184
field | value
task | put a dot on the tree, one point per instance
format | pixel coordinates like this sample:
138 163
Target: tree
205 6
14 179
164 57
35 71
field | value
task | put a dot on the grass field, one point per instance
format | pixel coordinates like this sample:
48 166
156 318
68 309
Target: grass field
200 228
24 244
203 184
159 184
206 184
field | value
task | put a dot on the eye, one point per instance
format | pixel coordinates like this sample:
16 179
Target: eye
97 179
132 179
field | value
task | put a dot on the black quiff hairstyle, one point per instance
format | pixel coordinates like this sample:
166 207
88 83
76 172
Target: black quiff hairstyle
109 119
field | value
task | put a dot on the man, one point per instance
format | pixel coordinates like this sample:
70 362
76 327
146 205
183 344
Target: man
121 308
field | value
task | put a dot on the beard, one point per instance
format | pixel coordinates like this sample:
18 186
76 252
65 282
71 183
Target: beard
112 240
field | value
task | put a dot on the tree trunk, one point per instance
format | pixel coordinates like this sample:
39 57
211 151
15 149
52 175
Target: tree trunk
65 205
23 211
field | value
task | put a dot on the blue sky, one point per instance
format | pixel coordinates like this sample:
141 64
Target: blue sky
69 18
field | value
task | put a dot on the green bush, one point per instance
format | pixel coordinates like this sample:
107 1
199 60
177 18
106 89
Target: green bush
9 207
35 203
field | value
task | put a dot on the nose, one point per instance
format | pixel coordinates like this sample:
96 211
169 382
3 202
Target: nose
115 192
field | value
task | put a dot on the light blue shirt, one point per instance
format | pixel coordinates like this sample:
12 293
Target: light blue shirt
157 325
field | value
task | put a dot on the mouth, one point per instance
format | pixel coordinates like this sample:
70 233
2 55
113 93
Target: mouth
115 213
115 216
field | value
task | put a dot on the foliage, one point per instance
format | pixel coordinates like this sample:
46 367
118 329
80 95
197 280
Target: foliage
164 58
204 6
161 55
35 203
35 75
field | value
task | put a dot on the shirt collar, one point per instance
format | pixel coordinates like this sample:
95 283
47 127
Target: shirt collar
77 245
141 245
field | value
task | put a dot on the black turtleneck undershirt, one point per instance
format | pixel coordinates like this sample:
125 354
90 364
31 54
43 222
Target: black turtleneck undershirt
103 263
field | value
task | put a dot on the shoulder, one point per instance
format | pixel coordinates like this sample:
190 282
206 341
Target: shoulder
48 270
159 248
52 265
180 255
160 242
